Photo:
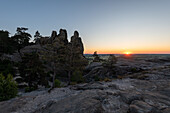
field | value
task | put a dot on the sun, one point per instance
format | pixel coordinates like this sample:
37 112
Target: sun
127 53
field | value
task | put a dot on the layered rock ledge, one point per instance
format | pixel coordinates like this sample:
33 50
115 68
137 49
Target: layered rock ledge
125 95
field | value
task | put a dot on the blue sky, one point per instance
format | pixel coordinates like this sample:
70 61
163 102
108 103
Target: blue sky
106 26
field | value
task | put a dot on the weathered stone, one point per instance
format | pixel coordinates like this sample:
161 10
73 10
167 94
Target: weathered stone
112 59
54 34
77 44
96 57
117 96
86 102
140 107
93 65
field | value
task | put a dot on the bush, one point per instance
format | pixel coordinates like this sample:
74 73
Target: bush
29 89
133 70
107 80
8 87
120 77
73 83
57 83
6 67
77 77
96 78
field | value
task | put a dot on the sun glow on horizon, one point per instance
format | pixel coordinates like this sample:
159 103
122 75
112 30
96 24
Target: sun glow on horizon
127 52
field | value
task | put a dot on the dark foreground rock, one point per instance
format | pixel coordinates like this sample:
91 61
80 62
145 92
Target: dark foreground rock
118 96
146 91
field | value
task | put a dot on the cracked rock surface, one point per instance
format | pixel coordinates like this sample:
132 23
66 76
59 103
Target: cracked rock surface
144 92
117 96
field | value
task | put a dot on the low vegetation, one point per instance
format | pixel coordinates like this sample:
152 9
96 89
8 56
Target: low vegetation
57 83
8 87
77 77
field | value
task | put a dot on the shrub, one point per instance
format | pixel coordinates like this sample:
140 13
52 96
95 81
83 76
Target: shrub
96 78
120 77
8 87
77 77
107 80
57 83
133 69
73 83
6 67
29 89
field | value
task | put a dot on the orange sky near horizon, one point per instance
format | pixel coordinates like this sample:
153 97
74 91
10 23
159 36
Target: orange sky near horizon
149 51
158 45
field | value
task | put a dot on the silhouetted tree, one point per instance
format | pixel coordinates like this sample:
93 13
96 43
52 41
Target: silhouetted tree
96 57
95 54
37 36
21 38
6 44
6 67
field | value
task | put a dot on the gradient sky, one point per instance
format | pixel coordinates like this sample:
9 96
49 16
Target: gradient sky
106 26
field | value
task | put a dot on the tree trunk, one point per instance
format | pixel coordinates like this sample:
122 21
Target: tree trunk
54 74
69 77
19 53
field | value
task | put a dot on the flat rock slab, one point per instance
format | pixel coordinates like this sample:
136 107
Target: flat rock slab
117 96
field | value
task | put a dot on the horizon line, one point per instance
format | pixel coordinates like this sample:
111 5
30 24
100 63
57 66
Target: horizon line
133 53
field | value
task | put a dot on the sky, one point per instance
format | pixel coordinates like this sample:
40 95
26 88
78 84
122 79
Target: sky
105 26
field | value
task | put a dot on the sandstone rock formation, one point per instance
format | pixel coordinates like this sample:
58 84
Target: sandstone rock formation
76 43
75 46
54 38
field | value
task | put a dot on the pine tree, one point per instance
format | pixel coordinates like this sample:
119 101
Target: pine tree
32 70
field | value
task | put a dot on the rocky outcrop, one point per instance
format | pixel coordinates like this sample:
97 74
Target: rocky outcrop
43 40
99 71
56 45
75 46
54 38
145 91
76 43
61 39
